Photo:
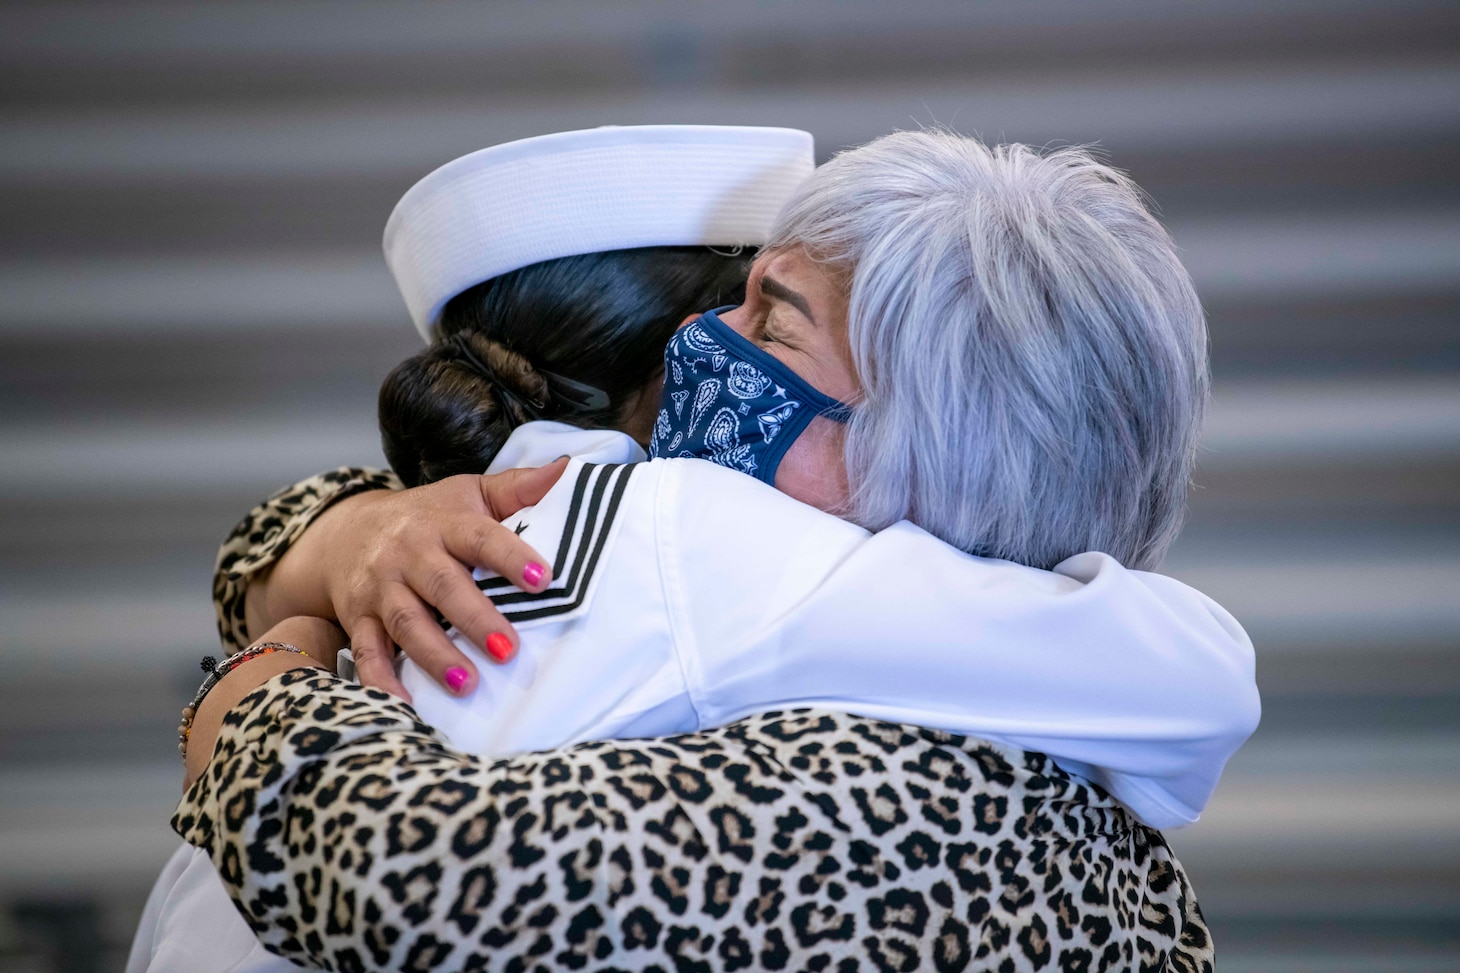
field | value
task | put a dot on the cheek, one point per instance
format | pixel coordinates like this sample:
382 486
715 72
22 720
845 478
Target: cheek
654 388
814 469
641 411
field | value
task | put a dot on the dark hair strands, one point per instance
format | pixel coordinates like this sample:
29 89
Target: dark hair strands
599 319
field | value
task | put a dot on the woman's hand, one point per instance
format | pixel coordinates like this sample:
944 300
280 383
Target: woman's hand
379 562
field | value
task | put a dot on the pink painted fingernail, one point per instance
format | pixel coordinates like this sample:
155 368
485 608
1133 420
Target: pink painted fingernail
499 646
532 574
456 677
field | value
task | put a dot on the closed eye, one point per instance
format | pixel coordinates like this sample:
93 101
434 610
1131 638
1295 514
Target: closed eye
774 290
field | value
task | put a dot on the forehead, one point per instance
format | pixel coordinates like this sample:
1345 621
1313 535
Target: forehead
814 280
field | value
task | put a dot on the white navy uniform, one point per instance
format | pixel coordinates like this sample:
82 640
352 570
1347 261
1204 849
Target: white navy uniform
686 596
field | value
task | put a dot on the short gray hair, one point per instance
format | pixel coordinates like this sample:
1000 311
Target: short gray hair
1032 353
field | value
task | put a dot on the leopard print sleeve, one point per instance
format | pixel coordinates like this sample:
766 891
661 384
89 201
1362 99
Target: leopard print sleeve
269 529
351 838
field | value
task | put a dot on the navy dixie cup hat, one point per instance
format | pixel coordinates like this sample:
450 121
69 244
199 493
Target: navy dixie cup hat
519 203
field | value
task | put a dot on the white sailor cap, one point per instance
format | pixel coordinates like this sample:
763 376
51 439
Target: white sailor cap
511 205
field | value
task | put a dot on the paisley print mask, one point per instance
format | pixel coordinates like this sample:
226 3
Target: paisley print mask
727 401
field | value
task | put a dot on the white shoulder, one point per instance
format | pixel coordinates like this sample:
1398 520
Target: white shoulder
709 497
737 556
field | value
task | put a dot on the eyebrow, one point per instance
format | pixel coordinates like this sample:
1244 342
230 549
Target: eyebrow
774 289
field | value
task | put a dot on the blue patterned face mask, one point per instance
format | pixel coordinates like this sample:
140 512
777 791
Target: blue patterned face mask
727 401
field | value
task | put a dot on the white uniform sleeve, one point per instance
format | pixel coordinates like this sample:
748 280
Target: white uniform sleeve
738 558
1129 679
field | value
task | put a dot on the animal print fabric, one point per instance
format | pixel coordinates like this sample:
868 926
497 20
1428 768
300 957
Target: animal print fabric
270 529
352 838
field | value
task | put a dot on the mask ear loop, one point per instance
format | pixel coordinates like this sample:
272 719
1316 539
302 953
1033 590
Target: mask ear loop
580 399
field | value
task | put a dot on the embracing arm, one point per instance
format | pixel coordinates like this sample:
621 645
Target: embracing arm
266 533
1141 684
378 560
351 838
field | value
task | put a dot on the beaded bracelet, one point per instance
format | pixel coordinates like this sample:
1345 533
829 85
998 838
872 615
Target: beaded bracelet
216 671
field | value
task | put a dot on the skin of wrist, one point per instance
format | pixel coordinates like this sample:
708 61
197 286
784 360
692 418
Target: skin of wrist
229 692
339 521
318 637
296 584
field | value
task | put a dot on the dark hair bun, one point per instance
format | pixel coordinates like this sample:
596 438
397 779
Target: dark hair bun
576 340
450 408
523 392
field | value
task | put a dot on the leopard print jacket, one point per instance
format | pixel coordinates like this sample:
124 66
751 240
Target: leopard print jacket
352 838
270 529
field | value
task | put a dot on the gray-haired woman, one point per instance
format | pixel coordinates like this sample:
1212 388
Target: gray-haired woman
1004 351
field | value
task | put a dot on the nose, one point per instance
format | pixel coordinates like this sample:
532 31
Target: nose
736 320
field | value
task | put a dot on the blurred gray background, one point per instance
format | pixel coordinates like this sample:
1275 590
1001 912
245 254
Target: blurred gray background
194 311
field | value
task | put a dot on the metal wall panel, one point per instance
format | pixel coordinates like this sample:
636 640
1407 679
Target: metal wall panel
193 311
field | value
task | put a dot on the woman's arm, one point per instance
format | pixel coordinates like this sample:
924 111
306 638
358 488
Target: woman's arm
267 532
351 838
320 640
383 563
